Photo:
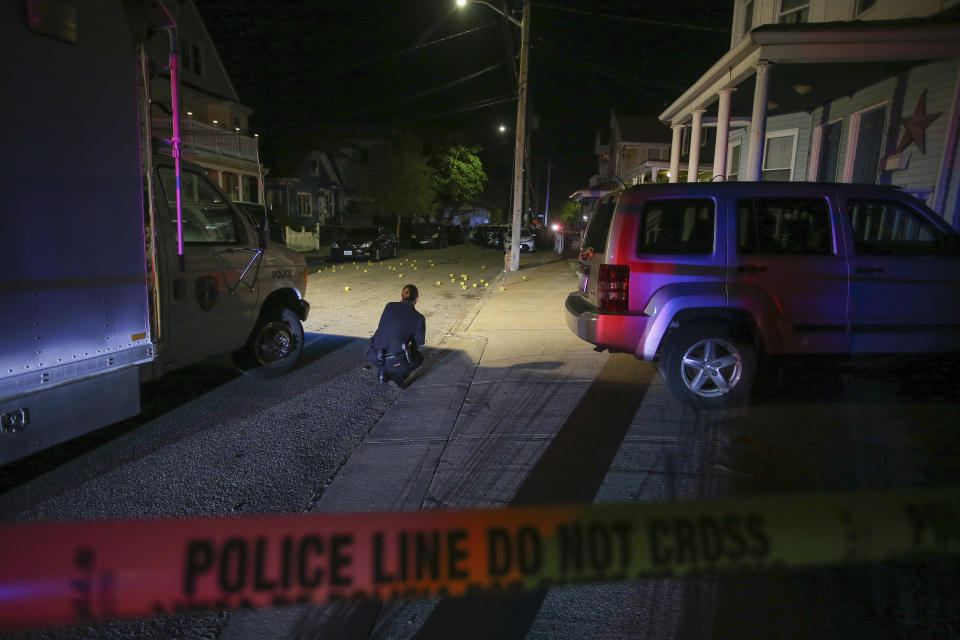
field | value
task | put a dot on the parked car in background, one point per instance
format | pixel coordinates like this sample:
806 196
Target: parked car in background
526 241
704 278
428 235
364 243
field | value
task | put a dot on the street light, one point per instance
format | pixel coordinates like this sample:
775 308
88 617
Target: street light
520 143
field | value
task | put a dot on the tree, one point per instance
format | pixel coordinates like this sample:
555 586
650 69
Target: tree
402 184
570 211
460 174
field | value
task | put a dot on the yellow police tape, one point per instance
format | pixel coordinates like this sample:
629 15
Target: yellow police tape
79 572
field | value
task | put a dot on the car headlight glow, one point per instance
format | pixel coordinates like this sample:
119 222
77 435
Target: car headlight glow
366 245
436 235
334 245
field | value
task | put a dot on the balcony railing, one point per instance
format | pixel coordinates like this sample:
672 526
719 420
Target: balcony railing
205 137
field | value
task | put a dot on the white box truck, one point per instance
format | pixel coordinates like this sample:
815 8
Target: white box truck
116 263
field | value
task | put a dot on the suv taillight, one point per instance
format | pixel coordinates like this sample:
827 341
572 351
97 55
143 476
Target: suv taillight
613 287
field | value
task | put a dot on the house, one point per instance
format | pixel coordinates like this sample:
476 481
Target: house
214 125
833 90
321 182
635 150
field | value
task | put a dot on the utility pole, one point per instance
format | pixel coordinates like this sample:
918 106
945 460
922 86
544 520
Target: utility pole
520 148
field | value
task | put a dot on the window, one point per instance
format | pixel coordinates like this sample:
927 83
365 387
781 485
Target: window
890 228
733 162
657 153
778 156
190 56
231 184
304 205
783 226
599 227
863 5
314 167
794 11
677 227
747 16
868 144
828 158
207 216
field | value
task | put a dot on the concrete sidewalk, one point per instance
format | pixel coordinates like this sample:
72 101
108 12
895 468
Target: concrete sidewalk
439 445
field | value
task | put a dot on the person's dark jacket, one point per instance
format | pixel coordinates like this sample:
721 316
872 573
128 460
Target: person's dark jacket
400 323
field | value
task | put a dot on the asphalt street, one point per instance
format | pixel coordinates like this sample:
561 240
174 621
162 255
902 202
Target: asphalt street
510 408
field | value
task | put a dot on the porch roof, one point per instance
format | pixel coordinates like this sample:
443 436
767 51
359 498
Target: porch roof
861 53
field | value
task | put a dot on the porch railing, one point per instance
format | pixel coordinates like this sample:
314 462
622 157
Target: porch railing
206 137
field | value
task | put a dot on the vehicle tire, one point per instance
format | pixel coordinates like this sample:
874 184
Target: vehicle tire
274 346
376 255
709 365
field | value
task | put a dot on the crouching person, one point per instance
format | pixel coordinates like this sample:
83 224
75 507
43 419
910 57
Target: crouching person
393 348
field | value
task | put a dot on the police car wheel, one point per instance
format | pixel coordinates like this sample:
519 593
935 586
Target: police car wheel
275 345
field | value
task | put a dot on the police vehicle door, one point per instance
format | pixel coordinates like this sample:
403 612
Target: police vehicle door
210 298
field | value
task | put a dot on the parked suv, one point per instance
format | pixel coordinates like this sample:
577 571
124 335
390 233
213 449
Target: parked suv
704 278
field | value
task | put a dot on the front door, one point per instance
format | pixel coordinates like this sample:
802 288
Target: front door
788 271
209 304
905 279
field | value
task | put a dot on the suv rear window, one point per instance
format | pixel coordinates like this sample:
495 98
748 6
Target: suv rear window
677 226
599 227
783 226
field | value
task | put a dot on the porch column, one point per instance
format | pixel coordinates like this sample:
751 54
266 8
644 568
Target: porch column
758 124
723 132
696 132
675 152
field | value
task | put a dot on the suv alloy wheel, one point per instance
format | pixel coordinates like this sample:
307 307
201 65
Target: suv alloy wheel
708 365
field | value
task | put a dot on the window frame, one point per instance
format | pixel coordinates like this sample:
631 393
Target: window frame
830 231
304 196
781 13
816 145
239 231
853 138
748 10
918 214
782 133
641 231
859 9
738 144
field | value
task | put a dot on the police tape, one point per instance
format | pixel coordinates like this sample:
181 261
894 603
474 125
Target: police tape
80 572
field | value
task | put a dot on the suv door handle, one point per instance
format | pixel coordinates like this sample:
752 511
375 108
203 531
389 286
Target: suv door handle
870 269
751 268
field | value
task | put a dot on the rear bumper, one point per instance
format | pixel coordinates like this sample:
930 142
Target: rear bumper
613 331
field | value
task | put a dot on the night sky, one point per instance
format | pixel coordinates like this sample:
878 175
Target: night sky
308 67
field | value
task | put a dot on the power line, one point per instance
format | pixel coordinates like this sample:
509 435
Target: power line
418 95
474 107
659 23
401 52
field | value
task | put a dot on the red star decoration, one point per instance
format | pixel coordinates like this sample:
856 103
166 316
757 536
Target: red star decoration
916 124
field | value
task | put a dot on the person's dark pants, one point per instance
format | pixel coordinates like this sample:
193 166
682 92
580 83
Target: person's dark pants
395 365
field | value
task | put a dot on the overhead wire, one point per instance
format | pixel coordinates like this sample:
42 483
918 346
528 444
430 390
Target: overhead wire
659 23
394 54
